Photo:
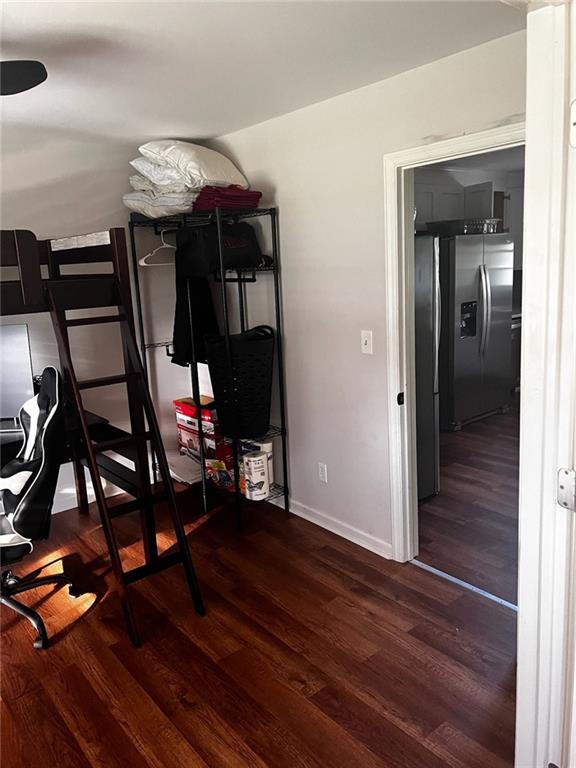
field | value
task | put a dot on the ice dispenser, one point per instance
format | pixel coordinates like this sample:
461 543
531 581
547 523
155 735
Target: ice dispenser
468 311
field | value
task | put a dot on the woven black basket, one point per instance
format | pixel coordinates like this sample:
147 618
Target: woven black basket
243 394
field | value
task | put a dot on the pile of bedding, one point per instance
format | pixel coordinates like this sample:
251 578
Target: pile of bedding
171 175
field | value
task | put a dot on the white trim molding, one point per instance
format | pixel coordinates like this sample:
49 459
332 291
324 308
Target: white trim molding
398 196
546 681
346 531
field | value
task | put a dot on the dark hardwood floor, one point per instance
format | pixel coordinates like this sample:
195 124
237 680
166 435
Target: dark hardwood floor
470 530
313 653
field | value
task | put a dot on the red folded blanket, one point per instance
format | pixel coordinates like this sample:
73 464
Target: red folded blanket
226 197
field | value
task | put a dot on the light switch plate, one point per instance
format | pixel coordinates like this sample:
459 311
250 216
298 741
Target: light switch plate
366 342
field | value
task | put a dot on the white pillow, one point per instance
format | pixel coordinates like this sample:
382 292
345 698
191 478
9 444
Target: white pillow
160 175
199 166
142 184
157 206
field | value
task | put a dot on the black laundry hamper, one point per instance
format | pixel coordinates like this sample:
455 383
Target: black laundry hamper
243 394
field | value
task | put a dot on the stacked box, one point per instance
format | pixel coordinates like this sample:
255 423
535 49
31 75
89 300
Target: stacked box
187 416
218 453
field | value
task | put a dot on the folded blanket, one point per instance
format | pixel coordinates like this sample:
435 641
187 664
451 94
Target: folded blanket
226 197
158 206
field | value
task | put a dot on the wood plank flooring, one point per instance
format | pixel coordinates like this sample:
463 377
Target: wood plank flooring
314 653
470 530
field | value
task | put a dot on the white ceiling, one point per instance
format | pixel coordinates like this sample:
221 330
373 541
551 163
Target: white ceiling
197 70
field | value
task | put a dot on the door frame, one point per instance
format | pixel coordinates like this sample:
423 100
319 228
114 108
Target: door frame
400 356
546 689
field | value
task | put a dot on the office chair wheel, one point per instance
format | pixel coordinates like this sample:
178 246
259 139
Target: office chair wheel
10 579
41 643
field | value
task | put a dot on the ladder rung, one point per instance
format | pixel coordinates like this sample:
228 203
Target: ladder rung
133 506
163 562
105 381
95 320
119 442
93 276
117 473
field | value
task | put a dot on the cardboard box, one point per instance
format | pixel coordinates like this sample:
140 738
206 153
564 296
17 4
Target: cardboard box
187 415
189 440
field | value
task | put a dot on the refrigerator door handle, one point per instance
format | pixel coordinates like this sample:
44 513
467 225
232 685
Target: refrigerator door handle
485 311
437 310
488 308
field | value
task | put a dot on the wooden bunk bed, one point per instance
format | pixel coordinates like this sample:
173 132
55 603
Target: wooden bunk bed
44 284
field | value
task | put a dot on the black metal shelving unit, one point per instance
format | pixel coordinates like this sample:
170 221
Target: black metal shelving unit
241 278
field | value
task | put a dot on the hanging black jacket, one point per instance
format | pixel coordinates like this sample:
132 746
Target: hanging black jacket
202 318
197 257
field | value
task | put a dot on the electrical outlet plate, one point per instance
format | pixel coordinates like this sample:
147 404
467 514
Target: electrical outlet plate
366 342
322 472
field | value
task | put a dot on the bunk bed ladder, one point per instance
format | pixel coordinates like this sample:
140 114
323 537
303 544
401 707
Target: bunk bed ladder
144 432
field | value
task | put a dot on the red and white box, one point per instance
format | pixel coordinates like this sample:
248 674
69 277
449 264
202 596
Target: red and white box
187 415
218 452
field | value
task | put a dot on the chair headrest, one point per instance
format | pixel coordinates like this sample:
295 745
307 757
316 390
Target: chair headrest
50 388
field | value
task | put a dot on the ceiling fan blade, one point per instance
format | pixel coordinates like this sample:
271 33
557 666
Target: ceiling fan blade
18 76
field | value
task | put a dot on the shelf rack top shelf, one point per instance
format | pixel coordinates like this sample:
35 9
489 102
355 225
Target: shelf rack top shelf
198 219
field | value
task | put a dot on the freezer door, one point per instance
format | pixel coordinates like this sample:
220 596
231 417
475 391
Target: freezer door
425 311
496 337
466 330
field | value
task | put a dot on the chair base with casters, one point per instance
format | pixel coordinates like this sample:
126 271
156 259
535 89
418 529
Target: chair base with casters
11 585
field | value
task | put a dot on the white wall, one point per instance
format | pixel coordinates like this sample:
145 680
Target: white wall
323 167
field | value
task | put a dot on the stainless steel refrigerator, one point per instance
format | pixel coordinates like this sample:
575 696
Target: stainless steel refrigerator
463 326
476 274
427 339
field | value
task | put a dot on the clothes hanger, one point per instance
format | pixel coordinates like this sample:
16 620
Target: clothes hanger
145 260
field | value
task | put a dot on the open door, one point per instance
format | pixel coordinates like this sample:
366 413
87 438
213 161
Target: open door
546 693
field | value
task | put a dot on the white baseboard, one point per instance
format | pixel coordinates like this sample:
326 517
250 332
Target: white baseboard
346 531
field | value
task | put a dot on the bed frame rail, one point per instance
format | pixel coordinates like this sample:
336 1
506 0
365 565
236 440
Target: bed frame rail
40 262
19 248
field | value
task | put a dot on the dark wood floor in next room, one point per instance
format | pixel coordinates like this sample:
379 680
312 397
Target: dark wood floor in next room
314 653
470 530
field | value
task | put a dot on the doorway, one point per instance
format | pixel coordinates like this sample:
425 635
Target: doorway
467 326
400 173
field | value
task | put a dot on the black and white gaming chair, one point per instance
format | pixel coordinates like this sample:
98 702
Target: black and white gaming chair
27 487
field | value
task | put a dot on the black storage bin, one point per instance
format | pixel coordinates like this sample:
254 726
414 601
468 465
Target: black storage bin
242 395
199 248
